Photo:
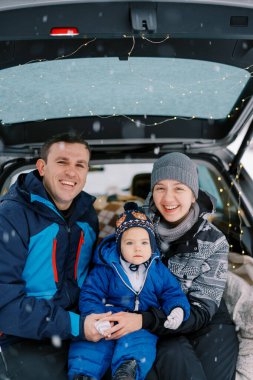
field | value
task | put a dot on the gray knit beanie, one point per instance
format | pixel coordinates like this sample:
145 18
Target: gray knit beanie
176 166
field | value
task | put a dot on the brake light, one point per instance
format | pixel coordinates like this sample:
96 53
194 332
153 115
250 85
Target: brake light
64 32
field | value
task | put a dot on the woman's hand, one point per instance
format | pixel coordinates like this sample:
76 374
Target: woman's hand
124 323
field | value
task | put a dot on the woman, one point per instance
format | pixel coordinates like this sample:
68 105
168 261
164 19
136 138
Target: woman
204 347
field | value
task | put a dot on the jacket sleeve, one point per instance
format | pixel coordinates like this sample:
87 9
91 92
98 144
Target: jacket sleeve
172 295
153 320
22 315
209 285
204 295
94 291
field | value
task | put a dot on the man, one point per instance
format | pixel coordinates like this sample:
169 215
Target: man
48 228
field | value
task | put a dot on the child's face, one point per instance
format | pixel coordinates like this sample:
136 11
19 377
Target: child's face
135 245
172 199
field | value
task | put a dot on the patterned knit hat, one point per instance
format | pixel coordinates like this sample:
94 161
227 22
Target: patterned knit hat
134 217
176 166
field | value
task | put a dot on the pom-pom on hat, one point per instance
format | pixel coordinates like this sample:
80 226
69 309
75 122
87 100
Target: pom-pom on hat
176 166
134 217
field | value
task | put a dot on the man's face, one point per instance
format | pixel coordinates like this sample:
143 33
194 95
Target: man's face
64 174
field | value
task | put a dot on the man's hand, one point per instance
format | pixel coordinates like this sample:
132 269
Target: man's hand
125 324
90 331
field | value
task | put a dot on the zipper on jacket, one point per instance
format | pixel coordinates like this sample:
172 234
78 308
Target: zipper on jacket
81 242
136 302
54 261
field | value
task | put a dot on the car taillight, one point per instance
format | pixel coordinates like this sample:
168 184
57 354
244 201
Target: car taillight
64 32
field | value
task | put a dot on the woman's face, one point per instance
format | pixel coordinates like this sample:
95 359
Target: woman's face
172 199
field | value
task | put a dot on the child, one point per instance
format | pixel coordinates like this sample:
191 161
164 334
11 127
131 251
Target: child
128 276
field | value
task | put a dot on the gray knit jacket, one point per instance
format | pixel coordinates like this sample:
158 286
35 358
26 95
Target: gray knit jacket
199 260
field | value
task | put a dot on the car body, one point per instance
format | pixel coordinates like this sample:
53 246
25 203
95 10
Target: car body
137 79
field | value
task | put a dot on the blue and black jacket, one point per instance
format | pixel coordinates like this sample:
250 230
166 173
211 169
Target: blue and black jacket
44 260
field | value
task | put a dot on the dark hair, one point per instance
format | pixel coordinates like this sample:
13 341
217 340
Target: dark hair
70 138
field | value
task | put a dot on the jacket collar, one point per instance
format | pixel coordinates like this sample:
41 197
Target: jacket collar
29 190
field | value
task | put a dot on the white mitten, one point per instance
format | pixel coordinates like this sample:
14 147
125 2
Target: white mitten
174 319
102 326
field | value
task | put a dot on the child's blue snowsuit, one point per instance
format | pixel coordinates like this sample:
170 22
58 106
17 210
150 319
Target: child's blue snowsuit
107 288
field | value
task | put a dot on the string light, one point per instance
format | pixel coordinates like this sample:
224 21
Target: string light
239 210
134 121
155 42
62 56
132 48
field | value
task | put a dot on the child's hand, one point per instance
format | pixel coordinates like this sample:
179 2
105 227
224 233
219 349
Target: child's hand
90 332
102 327
174 319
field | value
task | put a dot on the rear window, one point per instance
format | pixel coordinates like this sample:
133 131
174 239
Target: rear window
64 88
